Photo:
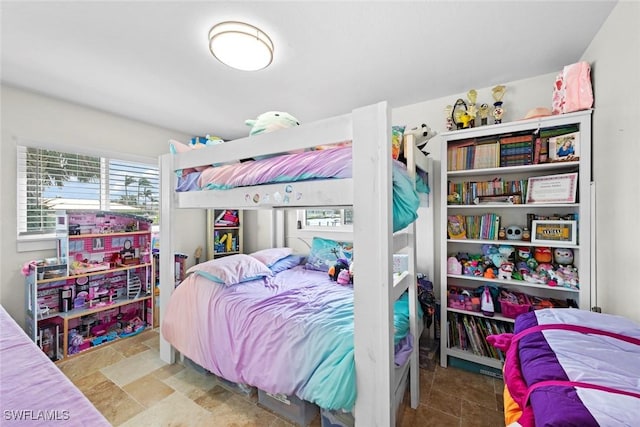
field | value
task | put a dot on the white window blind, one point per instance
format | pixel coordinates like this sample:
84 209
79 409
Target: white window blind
51 180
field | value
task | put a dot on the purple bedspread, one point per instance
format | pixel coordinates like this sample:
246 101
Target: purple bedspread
587 358
33 391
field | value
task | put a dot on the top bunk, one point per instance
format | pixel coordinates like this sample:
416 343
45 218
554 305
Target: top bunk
280 181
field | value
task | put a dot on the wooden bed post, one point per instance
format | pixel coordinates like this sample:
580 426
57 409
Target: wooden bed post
373 240
167 261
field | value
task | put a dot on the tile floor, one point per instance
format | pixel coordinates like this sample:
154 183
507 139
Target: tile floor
131 386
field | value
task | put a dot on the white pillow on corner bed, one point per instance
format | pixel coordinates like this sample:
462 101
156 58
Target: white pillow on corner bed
231 270
271 255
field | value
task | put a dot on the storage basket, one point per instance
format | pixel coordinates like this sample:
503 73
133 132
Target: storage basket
513 304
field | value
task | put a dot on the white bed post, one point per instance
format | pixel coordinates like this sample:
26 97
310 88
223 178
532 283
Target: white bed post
167 260
414 361
373 240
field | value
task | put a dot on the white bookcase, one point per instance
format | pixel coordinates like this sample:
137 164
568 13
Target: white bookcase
510 214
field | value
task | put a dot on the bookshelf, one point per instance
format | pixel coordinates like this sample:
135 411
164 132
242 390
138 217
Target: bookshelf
484 187
224 232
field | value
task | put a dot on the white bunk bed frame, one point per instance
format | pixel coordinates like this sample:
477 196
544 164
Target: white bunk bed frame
378 382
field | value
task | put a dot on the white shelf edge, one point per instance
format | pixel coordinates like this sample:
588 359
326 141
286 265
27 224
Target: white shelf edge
512 282
476 314
466 355
513 243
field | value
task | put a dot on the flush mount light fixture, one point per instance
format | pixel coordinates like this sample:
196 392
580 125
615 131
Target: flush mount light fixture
241 46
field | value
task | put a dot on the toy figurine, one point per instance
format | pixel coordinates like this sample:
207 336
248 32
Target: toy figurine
526 234
502 234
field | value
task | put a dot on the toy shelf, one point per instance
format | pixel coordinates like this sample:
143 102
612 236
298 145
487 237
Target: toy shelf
113 278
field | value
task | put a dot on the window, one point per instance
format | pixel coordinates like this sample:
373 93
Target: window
334 218
53 180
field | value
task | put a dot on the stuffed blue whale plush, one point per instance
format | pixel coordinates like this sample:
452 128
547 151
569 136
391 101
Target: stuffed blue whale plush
269 122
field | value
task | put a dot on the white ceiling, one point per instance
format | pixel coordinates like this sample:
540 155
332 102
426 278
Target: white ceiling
149 60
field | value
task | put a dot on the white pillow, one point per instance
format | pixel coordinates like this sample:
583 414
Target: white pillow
231 270
271 255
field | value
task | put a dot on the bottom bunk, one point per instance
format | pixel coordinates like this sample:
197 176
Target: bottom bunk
34 391
571 367
286 332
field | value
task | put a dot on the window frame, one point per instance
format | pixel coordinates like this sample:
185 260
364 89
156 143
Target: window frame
43 241
342 228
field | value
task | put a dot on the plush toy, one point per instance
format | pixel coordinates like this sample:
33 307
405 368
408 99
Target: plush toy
423 134
563 256
542 254
269 122
505 271
334 271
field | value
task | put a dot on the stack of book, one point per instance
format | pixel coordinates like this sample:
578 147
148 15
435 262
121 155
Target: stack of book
483 227
469 191
475 153
516 150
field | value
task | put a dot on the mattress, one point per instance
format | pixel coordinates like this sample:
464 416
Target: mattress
34 391
334 163
573 367
291 333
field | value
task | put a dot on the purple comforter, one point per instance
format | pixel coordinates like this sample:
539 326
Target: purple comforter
291 333
34 392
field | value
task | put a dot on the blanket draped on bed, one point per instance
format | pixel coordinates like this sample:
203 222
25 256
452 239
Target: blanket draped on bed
575 368
323 164
291 333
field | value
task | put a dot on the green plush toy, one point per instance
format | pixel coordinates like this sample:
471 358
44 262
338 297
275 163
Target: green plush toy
269 122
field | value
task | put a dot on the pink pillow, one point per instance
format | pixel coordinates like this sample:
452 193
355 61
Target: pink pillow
179 147
271 255
231 269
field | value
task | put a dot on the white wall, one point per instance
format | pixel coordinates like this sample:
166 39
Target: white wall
615 57
32 117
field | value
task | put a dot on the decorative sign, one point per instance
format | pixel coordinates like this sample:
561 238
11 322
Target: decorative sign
554 231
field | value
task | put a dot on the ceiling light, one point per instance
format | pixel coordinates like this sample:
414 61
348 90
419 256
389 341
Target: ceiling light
241 46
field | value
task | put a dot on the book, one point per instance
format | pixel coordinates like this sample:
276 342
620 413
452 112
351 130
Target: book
456 227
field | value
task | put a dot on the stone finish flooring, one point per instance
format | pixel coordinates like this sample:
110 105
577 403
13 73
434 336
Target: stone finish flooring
131 386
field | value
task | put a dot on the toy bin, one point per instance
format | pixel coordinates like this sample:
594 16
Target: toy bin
513 304
336 418
291 408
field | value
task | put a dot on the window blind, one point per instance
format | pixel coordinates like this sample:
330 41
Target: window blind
51 180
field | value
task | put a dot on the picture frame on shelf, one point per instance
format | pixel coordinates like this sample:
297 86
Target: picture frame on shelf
564 148
554 232
551 189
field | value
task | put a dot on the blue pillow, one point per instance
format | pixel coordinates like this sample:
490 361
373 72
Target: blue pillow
326 252
286 263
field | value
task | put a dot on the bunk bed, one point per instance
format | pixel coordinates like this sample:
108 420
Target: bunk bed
34 391
571 367
368 189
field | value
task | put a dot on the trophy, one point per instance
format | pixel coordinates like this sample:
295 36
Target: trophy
472 110
484 113
498 111
447 113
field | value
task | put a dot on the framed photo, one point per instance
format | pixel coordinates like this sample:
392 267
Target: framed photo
554 232
564 148
98 243
552 189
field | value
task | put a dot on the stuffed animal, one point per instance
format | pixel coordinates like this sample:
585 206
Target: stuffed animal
334 271
422 133
269 122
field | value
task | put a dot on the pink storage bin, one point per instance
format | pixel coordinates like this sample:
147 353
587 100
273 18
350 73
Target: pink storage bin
513 304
